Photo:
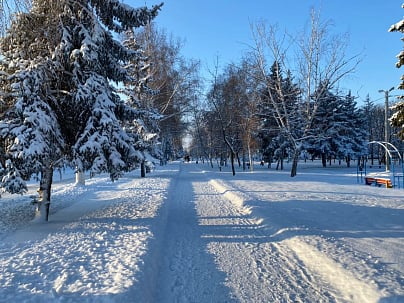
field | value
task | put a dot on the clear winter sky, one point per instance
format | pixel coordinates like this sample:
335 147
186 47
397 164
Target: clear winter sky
221 29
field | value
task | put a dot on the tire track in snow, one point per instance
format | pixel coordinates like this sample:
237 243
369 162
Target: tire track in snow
300 267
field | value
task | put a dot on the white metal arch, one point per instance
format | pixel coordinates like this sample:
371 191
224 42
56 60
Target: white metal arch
385 146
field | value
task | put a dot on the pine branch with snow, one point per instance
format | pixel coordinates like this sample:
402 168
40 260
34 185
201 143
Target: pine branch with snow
12 181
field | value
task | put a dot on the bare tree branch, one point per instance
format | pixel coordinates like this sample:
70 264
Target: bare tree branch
8 8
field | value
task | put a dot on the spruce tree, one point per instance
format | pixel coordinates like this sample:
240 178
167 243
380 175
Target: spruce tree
60 61
269 124
95 60
352 131
339 130
279 110
325 125
29 128
143 119
397 118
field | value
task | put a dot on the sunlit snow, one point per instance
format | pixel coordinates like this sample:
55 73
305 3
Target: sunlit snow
191 233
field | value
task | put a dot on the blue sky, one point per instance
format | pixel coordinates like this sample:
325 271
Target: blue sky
221 28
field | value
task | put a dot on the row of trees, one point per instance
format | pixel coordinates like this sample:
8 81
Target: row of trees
260 105
95 85
174 81
89 84
241 120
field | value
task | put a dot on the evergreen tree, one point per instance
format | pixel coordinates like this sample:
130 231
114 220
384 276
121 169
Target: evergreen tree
397 118
338 131
95 60
373 121
352 131
269 126
324 131
280 112
143 121
59 62
32 140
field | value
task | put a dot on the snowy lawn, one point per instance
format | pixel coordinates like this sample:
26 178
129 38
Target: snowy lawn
189 233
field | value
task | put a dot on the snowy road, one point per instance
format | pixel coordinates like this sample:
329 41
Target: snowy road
188 233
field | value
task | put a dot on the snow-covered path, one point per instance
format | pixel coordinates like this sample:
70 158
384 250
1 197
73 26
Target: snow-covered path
187 271
188 233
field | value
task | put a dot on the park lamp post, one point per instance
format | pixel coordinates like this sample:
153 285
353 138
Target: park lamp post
386 123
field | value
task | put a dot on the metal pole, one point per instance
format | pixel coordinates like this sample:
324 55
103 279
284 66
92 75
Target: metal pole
386 123
386 127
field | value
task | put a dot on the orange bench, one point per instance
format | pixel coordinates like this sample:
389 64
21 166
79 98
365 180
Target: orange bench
370 181
378 182
385 182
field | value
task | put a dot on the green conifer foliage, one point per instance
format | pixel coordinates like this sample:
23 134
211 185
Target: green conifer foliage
397 119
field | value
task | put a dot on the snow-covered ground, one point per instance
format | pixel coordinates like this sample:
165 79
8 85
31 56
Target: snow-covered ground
189 233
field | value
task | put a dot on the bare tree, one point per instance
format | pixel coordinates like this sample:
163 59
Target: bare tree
221 99
8 8
247 92
175 78
321 64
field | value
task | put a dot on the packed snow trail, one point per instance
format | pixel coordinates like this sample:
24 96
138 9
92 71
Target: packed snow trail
187 271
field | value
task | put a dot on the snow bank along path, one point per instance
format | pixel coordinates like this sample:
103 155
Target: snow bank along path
291 270
92 248
332 238
190 234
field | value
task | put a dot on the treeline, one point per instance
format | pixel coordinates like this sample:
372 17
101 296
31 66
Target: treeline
240 119
95 85
281 106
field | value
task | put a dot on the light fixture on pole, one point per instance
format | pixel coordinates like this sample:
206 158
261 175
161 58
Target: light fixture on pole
386 123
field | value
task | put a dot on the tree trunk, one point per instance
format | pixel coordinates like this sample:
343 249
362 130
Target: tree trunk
293 171
279 164
324 159
80 178
232 163
250 159
142 170
44 191
232 153
238 160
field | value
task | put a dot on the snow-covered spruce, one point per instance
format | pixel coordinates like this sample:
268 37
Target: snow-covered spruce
59 61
